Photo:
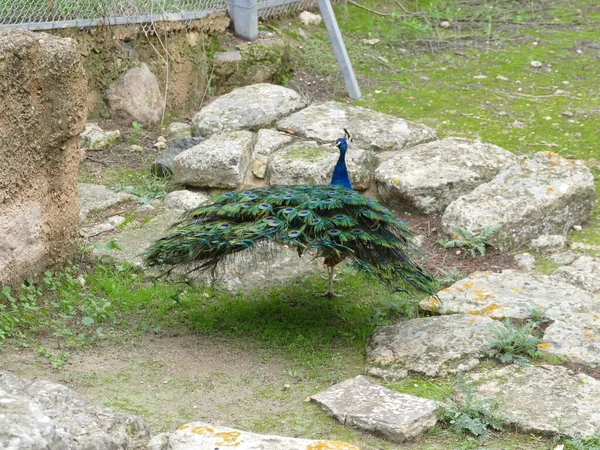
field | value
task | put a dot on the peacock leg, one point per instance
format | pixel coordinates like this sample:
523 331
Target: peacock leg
330 293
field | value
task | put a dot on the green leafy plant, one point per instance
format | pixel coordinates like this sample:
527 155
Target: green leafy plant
467 415
146 190
515 344
136 132
472 242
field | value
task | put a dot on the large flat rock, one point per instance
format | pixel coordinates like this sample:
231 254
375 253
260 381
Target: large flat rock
250 107
95 197
39 414
430 346
513 294
306 162
544 194
576 339
203 436
370 130
220 161
543 399
430 176
583 272
358 402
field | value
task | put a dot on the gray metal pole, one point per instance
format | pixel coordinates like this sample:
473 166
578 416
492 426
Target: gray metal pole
339 49
244 14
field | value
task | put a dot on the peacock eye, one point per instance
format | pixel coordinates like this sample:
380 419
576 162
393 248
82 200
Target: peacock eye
269 219
304 213
264 206
334 232
228 195
274 223
315 221
289 196
246 205
252 197
357 231
339 217
294 234
223 226
289 210
327 201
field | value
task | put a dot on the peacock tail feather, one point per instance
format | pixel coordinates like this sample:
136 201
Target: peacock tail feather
333 221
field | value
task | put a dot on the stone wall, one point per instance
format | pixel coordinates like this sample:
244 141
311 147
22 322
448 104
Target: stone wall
42 89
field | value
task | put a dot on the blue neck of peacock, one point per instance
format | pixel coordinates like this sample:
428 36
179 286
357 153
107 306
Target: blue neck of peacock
340 171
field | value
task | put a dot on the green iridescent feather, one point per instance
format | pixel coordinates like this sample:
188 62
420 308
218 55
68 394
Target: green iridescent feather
336 222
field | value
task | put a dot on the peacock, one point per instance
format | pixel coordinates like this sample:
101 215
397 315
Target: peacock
333 221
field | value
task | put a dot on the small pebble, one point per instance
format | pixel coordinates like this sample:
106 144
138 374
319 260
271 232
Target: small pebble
536 64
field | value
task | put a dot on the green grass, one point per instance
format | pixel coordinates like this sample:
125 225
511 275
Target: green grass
427 74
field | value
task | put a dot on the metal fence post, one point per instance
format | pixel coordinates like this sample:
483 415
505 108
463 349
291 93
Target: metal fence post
339 49
244 14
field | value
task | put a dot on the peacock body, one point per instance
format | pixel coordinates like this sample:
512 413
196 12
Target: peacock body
333 221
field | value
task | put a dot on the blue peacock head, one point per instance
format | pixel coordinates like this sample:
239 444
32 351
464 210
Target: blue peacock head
342 143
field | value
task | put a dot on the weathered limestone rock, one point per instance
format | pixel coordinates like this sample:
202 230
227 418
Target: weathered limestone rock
202 436
307 18
178 130
135 241
136 95
24 426
430 176
163 165
95 138
583 273
267 142
430 346
549 243
576 339
57 418
358 402
525 261
543 195
563 258
43 89
95 197
250 107
513 294
308 163
220 161
543 399
370 130
185 199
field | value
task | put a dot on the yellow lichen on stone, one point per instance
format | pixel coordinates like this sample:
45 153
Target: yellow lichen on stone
474 312
202 429
490 309
396 180
331 445
183 427
543 346
229 438
431 303
517 289
588 333
549 190
468 285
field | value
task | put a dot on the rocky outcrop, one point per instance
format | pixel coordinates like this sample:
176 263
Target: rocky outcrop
544 194
36 414
583 273
370 130
430 176
430 346
306 162
163 165
95 138
42 85
136 96
203 436
250 107
513 294
184 199
220 161
543 399
359 403
267 142
95 197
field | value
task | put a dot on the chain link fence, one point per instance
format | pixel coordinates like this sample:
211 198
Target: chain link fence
48 14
